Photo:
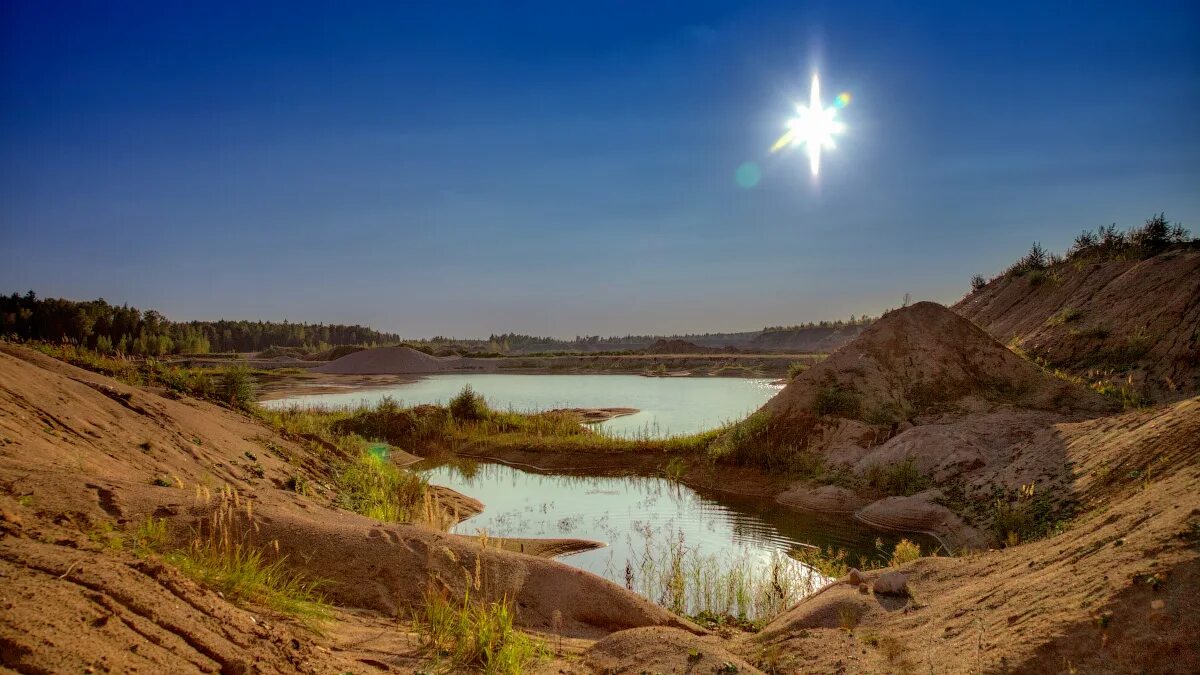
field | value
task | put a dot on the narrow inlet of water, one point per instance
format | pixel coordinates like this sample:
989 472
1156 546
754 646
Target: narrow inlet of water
655 530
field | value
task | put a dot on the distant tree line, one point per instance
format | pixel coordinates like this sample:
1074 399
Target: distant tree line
1108 242
127 330
863 320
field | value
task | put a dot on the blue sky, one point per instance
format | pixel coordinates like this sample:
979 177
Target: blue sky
568 168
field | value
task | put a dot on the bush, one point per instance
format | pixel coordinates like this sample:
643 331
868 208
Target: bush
795 368
468 406
375 487
237 387
1064 316
905 552
1030 515
834 399
978 283
898 478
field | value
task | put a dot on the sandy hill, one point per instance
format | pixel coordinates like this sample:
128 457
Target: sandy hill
398 360
924 386
1115 592
923 360
1135 322
84 457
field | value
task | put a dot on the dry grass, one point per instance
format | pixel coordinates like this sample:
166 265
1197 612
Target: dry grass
221 554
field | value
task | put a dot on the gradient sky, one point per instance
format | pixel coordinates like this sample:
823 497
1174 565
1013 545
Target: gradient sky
550 168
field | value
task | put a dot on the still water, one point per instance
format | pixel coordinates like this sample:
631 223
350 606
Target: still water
637 517
668 405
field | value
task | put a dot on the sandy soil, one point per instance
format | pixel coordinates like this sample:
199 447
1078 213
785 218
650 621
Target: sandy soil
1141 317
80 455
1076 602
1116 590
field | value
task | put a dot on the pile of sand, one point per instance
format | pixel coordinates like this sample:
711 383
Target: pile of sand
926 360
1138 319
399 360
1115 593
922 385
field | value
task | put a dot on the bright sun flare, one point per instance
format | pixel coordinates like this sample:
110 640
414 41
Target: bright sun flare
814 128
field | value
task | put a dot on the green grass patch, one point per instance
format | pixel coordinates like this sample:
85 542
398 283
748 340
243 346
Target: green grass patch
475 635
898 478
1064 316
837 399
220 555
372 485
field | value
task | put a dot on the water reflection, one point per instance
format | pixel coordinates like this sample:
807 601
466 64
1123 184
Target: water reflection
668 406
652 525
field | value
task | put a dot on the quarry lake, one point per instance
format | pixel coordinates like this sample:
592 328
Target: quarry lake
667 406
661 536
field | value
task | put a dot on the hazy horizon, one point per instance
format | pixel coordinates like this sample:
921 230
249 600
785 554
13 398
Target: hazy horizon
461 170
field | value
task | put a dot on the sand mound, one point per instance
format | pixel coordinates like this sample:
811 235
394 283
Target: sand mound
663 650
827 499
1114 593
82 453
823 610
72 606
1137 319
924 360
397 360
918 513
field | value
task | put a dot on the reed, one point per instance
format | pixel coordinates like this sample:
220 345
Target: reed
738 588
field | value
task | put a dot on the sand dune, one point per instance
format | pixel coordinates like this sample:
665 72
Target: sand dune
397 360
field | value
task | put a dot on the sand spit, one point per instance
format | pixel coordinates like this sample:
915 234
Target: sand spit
596 415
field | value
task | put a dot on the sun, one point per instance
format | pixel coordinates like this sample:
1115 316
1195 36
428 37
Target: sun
813 127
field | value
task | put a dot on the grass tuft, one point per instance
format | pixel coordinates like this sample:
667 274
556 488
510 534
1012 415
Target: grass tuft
475 635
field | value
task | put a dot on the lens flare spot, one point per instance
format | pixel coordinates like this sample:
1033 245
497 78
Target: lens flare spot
748 174
813 127
842 100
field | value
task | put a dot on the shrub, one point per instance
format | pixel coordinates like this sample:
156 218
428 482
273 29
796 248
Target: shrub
1027 516
1064 316
898 478
237 386
905 552
468 406
978 283
835 399
373 486
795 368
1153 236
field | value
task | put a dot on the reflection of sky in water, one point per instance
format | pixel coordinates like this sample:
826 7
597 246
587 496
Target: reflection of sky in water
667 405
627 513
